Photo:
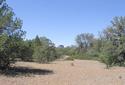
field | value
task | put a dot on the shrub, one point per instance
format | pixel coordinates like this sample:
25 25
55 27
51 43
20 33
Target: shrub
8 51
44 55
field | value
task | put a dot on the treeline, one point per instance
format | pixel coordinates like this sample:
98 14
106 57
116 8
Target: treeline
109 47
14 47
40 49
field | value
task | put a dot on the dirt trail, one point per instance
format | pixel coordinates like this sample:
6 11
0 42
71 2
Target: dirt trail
78 72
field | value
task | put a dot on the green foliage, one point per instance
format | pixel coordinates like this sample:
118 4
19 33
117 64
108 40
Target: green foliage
92 52
82 57
69 50
108 48
87 47
113 44
44 55
25 52
108 54
84 42
44 50
37 41
8 51
10 35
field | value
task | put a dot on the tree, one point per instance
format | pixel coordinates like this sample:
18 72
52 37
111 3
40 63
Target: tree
108 54
10 35
44 50
84 41
38 41
115 34
25 51
61 46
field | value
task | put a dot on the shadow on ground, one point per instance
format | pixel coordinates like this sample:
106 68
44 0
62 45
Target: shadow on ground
25 71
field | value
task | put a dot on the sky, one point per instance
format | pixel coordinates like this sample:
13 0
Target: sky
62 20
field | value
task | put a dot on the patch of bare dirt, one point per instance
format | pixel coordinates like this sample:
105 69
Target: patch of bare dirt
77 72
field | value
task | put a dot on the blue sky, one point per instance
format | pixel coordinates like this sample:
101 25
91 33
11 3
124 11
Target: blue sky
62 20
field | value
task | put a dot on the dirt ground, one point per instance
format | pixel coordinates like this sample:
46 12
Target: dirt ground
77 72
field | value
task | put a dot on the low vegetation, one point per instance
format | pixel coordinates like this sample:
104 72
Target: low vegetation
108 47
14 47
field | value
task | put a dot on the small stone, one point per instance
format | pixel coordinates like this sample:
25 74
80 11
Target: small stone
72 64
120 77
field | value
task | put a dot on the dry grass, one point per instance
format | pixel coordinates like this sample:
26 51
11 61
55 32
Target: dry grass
77 72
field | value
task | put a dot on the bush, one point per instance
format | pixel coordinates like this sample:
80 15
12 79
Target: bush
44 55
25 53
8 51
92 53
82 57
109 54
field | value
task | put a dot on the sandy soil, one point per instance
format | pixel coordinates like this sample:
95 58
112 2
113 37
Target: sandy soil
78 72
